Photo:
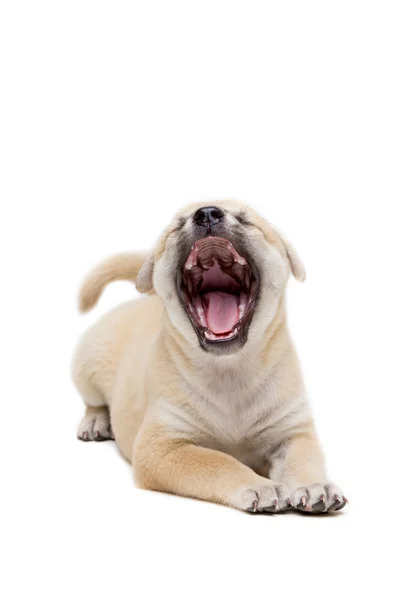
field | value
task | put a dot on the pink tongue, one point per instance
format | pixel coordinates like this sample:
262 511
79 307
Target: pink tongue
222 311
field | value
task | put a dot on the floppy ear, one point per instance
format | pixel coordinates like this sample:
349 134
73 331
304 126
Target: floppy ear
144 279
296 265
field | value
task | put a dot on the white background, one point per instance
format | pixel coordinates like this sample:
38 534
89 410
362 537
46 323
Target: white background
113 115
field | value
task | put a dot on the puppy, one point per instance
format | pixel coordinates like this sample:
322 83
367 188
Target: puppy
199 381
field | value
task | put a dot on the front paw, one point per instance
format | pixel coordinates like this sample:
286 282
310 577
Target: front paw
319 498
262 495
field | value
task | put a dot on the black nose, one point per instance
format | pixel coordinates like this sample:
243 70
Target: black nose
208 216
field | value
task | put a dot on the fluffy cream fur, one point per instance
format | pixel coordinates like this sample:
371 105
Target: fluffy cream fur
233 429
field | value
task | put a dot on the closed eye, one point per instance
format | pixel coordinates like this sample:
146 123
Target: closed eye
242 218
180 224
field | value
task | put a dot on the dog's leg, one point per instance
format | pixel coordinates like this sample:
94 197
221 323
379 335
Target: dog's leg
299 464
95 425
180 467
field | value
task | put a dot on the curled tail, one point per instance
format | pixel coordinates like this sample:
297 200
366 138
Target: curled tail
116 268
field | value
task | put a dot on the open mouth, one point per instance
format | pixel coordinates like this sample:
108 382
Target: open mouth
218 289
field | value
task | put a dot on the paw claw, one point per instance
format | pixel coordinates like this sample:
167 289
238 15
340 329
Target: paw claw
253 507
319 498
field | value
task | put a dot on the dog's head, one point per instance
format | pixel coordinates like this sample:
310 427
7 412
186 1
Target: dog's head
220 270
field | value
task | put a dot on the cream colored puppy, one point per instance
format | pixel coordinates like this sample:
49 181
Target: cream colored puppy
200 378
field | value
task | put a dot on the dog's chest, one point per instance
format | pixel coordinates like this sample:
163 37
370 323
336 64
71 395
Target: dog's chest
238 425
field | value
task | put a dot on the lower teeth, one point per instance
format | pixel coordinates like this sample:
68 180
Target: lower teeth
211 336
